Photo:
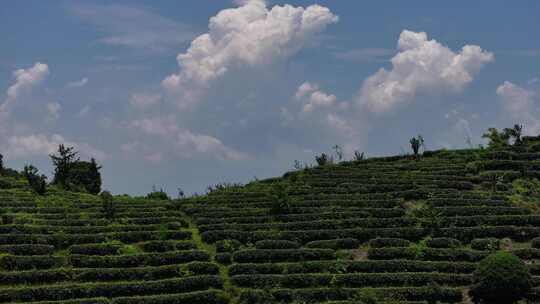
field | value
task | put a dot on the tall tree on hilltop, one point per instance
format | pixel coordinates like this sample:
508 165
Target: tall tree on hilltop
63 162
416 143
73 174
515 133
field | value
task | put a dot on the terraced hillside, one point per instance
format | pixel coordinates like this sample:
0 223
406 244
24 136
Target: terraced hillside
400 229
70 253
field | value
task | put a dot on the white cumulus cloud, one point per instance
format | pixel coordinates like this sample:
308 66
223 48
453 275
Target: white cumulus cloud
185 142
421 65
25 79
23 146
313 97
521 105
249 35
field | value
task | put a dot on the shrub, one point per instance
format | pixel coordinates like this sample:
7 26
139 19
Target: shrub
158 195
280 199
443 243
276 244
348 243
323 159
491 244
37 182
500 278
108 204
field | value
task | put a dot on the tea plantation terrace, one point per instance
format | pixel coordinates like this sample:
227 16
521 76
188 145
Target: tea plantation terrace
403 229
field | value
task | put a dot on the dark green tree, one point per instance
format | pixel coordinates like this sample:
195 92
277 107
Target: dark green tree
83 175
515 133
63 162
496 139
323 159
37 182
73 174
500 278
1 163
416 143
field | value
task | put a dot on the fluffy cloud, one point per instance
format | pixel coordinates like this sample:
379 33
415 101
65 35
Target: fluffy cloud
183 141
249 35
421 65
25 79
313 97
521 105
144 100
40 144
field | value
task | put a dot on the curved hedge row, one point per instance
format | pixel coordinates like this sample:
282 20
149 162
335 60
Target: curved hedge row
109 289
106 274
316 295
146 259
354 280
368 266
282 255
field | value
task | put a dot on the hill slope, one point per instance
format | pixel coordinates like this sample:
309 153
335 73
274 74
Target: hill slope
398 228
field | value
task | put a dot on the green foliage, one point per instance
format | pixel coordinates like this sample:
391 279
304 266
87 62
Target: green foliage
500 278
158 194
427 216
73 174
62 163
280 199
367 296
515 133
324 159
496 139
37 182
108 205
84 176
128 250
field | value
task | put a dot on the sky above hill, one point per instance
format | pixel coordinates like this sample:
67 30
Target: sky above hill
192 93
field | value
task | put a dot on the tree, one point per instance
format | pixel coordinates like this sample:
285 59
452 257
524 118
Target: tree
37 182
1 162
416 143
85 176
496 139
73 174
63 163
157 194
323 159
108 204
515 133
500 278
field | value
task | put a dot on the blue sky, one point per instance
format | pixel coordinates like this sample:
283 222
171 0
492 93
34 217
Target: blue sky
192 93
